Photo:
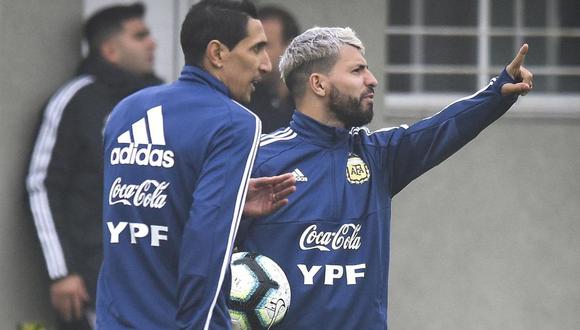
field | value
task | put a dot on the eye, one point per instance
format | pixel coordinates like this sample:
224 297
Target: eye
360 69
257 48
141 35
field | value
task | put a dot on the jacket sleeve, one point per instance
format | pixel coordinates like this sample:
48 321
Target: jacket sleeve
411 151
51 164
208 237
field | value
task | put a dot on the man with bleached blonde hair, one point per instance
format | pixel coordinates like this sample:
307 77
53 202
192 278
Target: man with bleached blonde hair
332 240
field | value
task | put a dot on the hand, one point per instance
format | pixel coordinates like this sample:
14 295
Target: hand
518 72
68 296
268 194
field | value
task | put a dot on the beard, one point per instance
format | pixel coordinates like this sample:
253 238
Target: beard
350 110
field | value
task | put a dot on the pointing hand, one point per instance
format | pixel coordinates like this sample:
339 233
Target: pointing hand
516 70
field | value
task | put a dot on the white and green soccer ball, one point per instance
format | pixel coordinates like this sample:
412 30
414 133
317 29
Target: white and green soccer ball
260 292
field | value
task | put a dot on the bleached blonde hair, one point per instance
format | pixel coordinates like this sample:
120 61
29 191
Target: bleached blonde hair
315 50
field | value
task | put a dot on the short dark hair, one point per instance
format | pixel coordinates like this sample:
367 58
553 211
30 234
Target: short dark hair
290 27
223 20
109 21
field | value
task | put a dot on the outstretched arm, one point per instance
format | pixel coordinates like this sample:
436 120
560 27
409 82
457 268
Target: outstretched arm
414 150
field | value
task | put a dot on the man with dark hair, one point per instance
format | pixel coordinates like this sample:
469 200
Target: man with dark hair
178 159
65 175
271 101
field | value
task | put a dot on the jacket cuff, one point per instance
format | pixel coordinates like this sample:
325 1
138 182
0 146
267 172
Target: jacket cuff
60 277
503 79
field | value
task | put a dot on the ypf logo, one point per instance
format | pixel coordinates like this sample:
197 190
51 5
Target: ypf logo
356 170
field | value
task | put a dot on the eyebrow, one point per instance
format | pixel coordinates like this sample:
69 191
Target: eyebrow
360 66
142 33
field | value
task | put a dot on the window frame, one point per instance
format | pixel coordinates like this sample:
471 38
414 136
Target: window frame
537 104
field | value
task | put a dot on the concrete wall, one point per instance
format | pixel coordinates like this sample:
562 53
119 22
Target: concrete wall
38 43
489 239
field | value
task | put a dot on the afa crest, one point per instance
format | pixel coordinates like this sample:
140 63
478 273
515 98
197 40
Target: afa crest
356 170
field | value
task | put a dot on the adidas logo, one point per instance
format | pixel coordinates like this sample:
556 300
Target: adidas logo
300 177
143 137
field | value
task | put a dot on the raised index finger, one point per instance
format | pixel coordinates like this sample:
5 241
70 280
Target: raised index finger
519 59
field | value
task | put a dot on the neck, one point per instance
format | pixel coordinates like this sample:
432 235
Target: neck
211 69
317 109
282 90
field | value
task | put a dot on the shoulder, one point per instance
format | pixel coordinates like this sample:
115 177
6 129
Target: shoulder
208 103
240 114
376 137
276 144
72 89
231 116
278 139
67 95
366 132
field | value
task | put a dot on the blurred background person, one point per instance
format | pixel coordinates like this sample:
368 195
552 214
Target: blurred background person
271 101
64 180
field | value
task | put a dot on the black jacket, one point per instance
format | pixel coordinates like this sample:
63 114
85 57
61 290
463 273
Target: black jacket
66 169
275 112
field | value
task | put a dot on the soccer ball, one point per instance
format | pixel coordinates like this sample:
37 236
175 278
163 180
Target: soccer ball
260 293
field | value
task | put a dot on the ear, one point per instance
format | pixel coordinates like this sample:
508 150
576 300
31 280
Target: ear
319 84
109 51
215 53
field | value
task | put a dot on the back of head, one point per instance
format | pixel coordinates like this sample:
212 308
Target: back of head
222 20
108 22
315 50
290 27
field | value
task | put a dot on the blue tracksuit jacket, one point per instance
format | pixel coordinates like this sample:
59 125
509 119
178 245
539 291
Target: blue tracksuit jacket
178 159
332 240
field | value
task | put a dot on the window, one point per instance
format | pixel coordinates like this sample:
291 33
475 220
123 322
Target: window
437 51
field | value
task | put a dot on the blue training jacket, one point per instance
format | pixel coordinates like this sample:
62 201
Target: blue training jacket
332 240
178 159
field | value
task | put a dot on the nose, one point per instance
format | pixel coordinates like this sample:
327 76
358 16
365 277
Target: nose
370 80
265 63
152 43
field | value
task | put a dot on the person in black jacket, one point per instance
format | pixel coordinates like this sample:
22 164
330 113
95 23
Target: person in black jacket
271 101
64 181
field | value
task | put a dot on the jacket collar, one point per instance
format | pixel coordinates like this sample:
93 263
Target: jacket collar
194 73
120 82
317 133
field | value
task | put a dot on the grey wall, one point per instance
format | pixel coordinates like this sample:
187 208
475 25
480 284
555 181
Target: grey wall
38 46
490 238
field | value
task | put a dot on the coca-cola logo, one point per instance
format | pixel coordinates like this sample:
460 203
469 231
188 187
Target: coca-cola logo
345 238
147 194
